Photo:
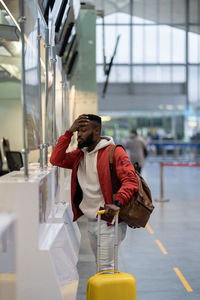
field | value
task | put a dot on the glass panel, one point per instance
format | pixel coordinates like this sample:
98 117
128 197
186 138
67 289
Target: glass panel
164 44
152 74
137 20
178 12
178 74
100 74
194 11
150 46
138 73
117 74
193 86
117 18
146 21
165 11
123 50
145 11
162 74
178 45
194 46
50 100
99 44
31 76
120 74
138 11
150 11
99 20
138 44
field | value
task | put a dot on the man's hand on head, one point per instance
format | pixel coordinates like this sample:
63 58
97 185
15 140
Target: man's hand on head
82 120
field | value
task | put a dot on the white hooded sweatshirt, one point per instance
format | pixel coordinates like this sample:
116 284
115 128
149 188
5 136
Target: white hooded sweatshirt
89 180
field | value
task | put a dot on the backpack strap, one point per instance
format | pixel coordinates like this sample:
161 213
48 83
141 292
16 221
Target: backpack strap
111 158
111 154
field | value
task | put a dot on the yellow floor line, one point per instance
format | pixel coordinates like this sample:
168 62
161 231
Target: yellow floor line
183 280
148 227
164 251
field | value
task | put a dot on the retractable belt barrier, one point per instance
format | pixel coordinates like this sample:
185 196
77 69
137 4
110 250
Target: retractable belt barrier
179 149
162 164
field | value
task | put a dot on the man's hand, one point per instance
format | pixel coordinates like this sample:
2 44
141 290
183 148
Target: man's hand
111 209
82 120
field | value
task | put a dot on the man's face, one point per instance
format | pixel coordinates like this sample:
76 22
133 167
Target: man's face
85 136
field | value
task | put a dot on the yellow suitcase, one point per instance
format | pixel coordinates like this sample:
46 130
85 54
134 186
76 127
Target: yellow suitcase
111 284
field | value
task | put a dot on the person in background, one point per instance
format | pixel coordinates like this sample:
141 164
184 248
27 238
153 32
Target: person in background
91 187
137 150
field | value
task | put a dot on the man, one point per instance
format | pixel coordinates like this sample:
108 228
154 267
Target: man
138 150
91 187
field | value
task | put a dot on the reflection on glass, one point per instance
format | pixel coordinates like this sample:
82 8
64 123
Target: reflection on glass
31 77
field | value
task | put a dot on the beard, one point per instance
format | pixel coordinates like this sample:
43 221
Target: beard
87 143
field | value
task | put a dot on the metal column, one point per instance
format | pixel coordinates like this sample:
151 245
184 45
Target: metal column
22 20
54 95
47 46
39 97
186 49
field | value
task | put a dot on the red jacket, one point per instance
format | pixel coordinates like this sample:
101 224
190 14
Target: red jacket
122 165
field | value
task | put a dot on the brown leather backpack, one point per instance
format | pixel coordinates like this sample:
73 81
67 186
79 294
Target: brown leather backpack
137 211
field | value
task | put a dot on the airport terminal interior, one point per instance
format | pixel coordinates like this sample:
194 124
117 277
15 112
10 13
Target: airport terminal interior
136 64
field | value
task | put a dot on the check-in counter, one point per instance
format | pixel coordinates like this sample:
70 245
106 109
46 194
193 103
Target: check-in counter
47 244
7 257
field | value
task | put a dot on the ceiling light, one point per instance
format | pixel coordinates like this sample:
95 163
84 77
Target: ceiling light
169 107
180 107
106 118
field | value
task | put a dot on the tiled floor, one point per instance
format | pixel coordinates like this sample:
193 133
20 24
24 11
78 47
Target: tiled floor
175 224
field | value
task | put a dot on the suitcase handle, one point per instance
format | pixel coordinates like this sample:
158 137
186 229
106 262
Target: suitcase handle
101 212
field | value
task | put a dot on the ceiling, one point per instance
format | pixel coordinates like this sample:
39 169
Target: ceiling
164 11
10 45
148 9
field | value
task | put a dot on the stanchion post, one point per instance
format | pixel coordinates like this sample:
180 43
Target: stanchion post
161 185
163 152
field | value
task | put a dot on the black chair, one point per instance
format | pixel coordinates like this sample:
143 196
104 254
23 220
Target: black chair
2 172
5 145
14 160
